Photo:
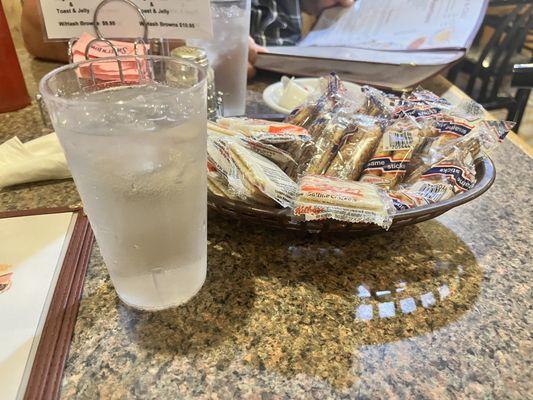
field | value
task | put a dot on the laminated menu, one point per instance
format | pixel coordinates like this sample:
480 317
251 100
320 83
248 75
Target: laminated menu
387 43
179 19
43 260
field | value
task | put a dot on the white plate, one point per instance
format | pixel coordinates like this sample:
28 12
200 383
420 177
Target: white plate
272 94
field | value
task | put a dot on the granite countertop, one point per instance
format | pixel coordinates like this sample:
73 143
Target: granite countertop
433 311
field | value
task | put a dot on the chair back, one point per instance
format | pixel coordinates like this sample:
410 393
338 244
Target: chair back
495 59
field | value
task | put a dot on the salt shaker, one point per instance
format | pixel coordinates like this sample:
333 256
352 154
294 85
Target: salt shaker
199 56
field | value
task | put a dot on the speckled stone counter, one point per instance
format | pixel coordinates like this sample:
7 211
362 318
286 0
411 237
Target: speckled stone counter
434 311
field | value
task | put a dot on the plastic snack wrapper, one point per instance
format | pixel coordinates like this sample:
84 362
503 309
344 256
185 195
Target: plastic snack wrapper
265 131
388 166
421 105
448 128
328 133
217 184
322 197
324 148
356 148
264 175
421 95
444 122
379 103
325 102
481 140
236 184
403 200
228 174
449 177
283 159
319 103
455 172
326 118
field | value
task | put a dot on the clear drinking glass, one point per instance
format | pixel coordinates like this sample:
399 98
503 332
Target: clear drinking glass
228 51
136 147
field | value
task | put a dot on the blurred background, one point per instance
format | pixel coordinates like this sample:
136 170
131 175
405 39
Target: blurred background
485 74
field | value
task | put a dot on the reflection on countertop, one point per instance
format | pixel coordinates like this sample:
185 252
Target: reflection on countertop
433 311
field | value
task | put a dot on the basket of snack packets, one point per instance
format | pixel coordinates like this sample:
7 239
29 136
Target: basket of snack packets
347 161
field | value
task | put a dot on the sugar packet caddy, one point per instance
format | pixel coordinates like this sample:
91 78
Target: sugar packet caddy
321 197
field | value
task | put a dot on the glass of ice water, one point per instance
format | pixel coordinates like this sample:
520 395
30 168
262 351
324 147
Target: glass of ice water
136 146
228 51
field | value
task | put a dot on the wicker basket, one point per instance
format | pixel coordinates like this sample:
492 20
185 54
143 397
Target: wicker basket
282 218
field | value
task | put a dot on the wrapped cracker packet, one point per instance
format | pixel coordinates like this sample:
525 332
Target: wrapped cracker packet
264 175
326 118
319 103
444 123
329 98
237 185
327 132
219 159
244 174
448 128
290 139
322 197
378 103
269 132
421 105
449 177
403 200
388 166
325 145
454 173
356 148
481 140
273 153
216 182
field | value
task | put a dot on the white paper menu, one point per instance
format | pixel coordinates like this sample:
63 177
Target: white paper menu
169 19
400 25
32 249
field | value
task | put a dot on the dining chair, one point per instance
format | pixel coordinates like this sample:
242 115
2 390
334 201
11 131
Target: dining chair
489 67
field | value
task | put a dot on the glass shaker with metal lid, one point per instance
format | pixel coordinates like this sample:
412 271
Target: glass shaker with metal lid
199 56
